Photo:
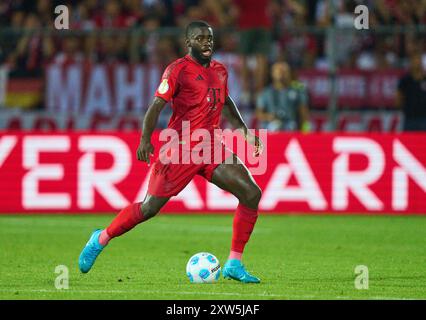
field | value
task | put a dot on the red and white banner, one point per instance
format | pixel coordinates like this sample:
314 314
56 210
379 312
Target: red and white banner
315 173
356 88
347 121
109 89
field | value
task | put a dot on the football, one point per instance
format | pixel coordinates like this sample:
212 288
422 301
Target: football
203 267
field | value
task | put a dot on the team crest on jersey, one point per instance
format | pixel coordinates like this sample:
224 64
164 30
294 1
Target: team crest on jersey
164 87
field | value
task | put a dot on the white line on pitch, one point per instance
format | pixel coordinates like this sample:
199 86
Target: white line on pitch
140 291
200 293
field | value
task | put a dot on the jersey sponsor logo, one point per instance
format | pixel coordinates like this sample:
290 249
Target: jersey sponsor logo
164 87
199 77
215 94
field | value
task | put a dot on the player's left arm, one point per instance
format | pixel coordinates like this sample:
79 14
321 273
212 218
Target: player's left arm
233 115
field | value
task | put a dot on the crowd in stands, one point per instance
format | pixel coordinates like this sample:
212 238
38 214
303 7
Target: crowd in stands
254 33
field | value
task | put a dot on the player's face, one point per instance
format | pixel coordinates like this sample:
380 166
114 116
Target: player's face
200 43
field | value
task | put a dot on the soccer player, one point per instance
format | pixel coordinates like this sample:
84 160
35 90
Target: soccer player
197 87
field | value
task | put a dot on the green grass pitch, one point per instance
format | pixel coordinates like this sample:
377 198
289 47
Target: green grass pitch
296 256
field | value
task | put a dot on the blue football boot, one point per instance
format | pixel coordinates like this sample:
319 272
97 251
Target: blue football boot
90 252
233 269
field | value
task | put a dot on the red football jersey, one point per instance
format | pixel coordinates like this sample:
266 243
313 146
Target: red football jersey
197 93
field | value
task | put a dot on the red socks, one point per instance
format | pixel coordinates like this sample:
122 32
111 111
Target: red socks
126 220
244 221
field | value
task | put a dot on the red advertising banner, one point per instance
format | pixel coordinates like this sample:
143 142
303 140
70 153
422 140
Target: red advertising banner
313 173
347 121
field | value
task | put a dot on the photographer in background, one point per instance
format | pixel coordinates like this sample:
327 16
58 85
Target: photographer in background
411 96
283 105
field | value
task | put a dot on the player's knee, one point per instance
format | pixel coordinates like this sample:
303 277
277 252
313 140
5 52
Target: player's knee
252 196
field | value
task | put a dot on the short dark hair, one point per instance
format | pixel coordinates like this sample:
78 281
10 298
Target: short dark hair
195 24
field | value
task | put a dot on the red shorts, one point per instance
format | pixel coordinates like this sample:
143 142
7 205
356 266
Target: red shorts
169 179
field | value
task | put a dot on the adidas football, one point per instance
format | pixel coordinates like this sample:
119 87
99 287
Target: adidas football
203 267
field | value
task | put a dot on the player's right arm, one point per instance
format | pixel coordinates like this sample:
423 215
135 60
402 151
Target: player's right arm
164 93
146 148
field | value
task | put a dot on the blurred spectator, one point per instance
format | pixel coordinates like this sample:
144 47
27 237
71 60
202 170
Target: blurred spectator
80 18
411 96
382 54
113 49
347 41
299 49
254 24
149 40
111 17
165 52
32 50
133 12
108 30
70 52
44 11
227 53
283 105
218 13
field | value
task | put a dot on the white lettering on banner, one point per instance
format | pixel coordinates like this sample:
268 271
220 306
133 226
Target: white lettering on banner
351 86
98 97
103 181
100 90
217 198
31 196
140 196
409 166
7 143
126 90
154 76
357 181
64 88
308 190
190 196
